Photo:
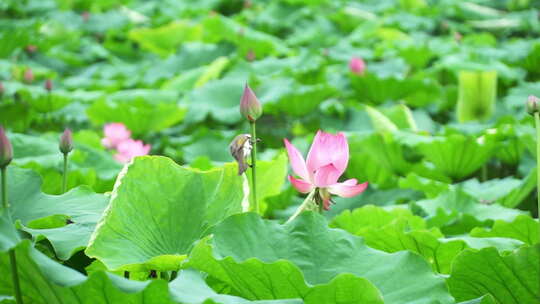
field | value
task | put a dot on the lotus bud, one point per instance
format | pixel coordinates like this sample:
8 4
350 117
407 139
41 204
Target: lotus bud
2 90
31 48
66 142
357 66
532 104
476 96
250 56
48 85
85 16
28 76
6 151
250 106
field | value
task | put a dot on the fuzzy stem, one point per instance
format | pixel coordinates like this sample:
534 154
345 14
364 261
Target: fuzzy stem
537 123
303 206
65 173
12 258
254 167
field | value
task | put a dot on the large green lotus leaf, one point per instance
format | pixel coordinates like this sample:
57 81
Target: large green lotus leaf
219 99
491 190
510 279
371 88
431 188
456 212
140 110
158 209
166 39
523 228
47 214
271 176
260 259
457 156
220 28
285 95
397 229
44 281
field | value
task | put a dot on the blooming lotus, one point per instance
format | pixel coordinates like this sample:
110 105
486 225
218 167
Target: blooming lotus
326 161
115 133
130 148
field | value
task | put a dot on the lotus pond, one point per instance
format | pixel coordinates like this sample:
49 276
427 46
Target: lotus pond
276 152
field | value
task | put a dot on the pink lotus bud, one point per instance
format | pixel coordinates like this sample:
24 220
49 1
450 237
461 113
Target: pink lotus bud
2 89
31 48
28 76
458 37
357 65
532 104
85 16
6 150
66 142
48 85
250 56
250 106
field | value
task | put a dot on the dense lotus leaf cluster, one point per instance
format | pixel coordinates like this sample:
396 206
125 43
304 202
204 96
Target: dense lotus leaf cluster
426 101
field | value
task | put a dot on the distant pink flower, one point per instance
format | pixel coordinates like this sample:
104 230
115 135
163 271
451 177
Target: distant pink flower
130 148
115 133
28 76
326 161
357 65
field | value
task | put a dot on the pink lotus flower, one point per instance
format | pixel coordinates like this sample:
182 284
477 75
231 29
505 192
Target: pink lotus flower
115 133
326 161
130 148
357 65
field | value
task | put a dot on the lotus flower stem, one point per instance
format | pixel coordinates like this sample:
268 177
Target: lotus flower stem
254 167
537 123
65 174
303 206
4 189
12 257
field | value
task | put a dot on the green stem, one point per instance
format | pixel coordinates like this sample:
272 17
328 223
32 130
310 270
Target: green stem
254 167
537 122
303 206
65 174
4 189
484 173
15 276
12 258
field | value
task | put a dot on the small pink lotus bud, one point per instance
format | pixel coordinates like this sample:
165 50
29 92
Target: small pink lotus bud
48 85
250 106
250 56
66 142
31 48
532 104
458 37
357 65
85 16
28 76
6 150
2 89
